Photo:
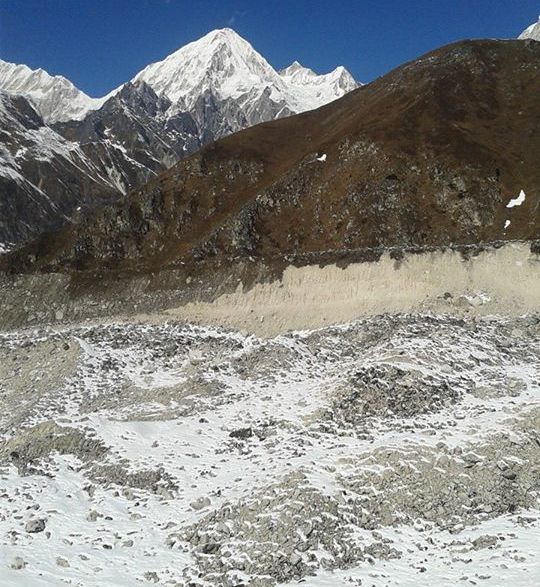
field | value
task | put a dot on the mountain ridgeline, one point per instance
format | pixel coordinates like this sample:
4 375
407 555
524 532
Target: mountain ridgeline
441 152
204 91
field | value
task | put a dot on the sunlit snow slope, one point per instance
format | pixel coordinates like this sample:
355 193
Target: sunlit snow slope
54 97
532 32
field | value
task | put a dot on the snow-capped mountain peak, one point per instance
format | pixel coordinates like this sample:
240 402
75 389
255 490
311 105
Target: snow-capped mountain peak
54 97
296 69
202 92
221 61
532 32
221 64
225 64
314 89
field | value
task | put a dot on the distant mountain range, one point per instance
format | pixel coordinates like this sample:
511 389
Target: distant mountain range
64 153
441 152
55 98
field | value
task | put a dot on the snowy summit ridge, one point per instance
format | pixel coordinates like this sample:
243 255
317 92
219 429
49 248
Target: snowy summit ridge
532 32
227 65
54 97
221 64
318 89
221 61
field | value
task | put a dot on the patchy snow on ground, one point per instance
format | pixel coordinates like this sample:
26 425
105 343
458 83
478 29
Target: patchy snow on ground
5 247
517 201
396 450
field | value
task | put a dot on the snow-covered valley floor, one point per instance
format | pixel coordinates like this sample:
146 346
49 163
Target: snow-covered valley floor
398 450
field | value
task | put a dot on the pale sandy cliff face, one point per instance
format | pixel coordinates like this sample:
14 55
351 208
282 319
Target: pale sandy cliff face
504 281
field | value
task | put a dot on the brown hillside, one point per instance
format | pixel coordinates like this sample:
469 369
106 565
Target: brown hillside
426 156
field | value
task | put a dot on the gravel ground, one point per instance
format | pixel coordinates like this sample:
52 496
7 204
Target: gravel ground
388 451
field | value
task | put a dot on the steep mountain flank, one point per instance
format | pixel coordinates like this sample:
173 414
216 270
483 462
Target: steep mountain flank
531 32
206 90
44 178
49 173
135 121
434 154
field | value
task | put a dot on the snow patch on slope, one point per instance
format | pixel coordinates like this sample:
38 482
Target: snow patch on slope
516 201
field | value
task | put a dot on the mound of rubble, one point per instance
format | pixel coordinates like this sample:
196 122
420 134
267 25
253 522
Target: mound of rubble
396 448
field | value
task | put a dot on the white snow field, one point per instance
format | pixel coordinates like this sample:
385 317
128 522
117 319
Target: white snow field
393 451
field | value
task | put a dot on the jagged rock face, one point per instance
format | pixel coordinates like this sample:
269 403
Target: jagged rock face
430 155
136 122
44 178
50 171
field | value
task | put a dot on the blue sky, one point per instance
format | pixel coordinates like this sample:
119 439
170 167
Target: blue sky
99 44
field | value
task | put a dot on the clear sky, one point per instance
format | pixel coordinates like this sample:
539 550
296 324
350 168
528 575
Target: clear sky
99 44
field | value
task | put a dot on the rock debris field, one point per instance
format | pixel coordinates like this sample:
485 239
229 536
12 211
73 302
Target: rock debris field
392 451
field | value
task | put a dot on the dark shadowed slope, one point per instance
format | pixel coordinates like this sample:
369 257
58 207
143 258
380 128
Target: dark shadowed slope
429 155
